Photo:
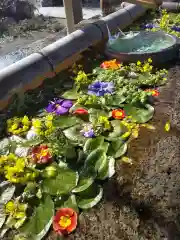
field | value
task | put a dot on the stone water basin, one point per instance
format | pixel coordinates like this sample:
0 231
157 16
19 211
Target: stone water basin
133 46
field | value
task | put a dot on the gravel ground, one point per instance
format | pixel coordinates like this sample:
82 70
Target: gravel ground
142 201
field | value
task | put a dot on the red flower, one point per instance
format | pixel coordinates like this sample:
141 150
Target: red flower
112 64
65 221
153 92
81 111
41 154
118 114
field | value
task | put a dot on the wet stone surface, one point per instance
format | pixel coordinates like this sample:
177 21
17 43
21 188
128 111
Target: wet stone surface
142 201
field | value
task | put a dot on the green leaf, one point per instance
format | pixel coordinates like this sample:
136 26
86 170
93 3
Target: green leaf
6 192
70 203
108 170
96 159
139 114
65 121
63 183
118 130
2 216
86 179
71 94
41 221
90 197
117 100
93 143
94 114
4 146
117 148
73 134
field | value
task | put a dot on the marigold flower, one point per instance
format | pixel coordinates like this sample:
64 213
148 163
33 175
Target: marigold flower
65 221
153 92
41 154
112 64
118 114
80 111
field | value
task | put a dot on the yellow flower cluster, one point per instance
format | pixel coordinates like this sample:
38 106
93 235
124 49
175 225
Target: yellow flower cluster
15 170
164 22
144 67
43 127
15 209
102 120
18 126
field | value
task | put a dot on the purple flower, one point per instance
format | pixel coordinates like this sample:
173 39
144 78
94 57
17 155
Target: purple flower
100 88
59 106
148 26
175 28
88 132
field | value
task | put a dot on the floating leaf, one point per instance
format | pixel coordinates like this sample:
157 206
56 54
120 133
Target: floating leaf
139 114
167 127
94 114
127 160
109 169
73 134
96 159
63 183
71 94
40 222
65 121
86 179
93 143
117 148
118 130
90 197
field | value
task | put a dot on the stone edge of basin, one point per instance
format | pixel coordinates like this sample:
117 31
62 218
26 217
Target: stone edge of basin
30 72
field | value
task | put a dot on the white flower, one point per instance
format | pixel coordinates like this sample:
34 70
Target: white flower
31 134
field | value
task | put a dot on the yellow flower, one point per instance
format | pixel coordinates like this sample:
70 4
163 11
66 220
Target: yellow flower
10 207
138 63
36 123
149 60
104 121
26 121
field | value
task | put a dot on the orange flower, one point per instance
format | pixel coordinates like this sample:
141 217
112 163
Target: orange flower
153 92
118 114
112 64
65 221
41 154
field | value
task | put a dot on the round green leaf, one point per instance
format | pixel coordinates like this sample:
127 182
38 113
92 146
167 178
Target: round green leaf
118 130
96 159
71 94
73 134
108 170
93 143
65 121
41 220
4 146
139 114
6 192
94 114
90 197
63 183
117 148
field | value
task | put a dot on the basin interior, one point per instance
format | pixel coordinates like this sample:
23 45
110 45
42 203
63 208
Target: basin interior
141 42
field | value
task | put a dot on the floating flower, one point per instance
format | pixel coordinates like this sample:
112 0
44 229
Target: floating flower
101 88
153 92
65 221
18 126
80 111
112 64
175 28
41 154
88 131
148 26
118 114
59 106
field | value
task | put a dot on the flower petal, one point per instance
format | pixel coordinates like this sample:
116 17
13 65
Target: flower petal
50 108
61 110
67 104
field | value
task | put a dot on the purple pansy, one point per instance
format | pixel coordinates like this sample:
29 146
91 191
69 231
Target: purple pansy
148 26
59 106
175 28
100 88
88 131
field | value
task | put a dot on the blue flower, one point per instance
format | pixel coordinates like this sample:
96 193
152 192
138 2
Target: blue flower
175 28
100 88
88 131
59 106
